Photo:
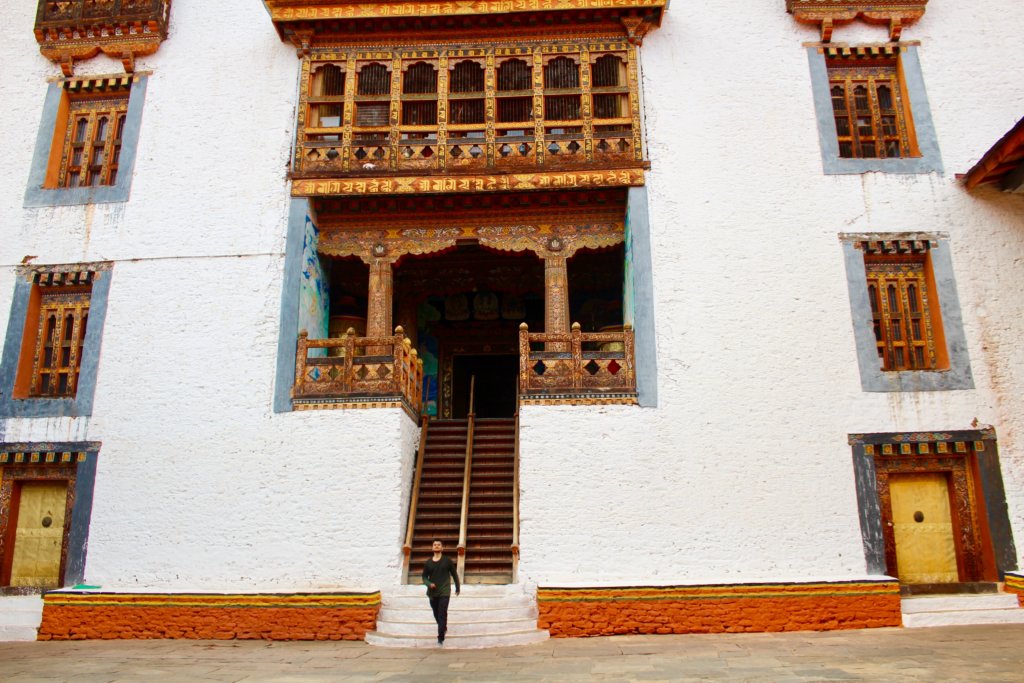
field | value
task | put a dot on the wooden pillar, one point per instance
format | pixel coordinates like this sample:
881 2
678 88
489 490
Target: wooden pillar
378 307
556 299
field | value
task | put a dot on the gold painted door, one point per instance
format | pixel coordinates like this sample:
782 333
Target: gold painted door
39 535
923 528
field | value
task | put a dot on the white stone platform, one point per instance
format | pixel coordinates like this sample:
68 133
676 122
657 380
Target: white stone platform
960 610
482 616
20 616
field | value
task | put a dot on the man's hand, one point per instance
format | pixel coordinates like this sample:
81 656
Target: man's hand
433 586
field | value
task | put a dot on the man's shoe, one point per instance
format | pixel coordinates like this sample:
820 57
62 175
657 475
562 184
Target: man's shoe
440 642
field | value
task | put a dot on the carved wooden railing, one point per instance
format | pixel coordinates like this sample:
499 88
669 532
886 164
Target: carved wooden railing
356 375
414 499
467 475
593 367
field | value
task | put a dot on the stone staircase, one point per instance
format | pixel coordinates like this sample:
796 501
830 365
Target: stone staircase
483 616
20 616
921 611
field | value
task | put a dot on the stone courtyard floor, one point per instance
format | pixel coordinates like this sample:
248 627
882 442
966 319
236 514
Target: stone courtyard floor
956 653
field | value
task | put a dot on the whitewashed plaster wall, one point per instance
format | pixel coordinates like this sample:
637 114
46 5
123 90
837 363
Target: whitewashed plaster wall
743 472
199 485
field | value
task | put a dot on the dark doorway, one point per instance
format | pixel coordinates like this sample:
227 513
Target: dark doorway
496 385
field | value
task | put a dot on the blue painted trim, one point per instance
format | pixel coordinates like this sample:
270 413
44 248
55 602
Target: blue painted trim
82 404
646 347
81 516
36 195
870 510
872 377
288 333
930 160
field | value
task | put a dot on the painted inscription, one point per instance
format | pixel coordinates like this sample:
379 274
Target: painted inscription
493 183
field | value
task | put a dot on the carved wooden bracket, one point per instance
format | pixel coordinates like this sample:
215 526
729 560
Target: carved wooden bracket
636 29
827 14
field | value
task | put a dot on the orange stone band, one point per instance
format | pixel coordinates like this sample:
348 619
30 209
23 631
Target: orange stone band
579 612
81 616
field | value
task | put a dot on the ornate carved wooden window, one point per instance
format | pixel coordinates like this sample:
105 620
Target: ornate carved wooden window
554 105
871 112
60 334
92 142
903 310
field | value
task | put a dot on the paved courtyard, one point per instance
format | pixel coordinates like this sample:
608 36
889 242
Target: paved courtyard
961 653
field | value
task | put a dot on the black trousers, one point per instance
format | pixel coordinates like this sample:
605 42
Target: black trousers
439 605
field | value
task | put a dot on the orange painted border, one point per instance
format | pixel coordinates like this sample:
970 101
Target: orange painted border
581 612
334 616
1015 584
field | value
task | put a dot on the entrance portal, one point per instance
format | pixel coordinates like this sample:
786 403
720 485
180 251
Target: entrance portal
496 381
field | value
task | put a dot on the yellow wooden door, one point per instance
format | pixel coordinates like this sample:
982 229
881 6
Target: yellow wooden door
925 551
39 535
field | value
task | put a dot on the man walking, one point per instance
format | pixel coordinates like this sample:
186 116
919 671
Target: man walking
438 574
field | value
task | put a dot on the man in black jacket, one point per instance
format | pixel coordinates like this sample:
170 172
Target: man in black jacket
438 574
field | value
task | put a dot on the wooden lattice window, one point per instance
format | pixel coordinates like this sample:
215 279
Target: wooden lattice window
561 74
327 100
871 110
904 311
419 95
92 141
466 103
60 336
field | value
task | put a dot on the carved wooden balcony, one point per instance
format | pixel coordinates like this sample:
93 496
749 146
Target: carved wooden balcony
475 118
70 30
829 13
358 372
577 367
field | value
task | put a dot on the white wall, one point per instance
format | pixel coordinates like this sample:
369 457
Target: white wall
742 473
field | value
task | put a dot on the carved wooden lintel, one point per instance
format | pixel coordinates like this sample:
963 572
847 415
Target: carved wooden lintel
547 241
827 15
75 30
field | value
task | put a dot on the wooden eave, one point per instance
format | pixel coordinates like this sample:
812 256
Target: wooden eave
1003 164
307 22
827 14
71 33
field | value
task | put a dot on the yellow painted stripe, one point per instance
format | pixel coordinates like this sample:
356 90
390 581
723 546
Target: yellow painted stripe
214 601
715 592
